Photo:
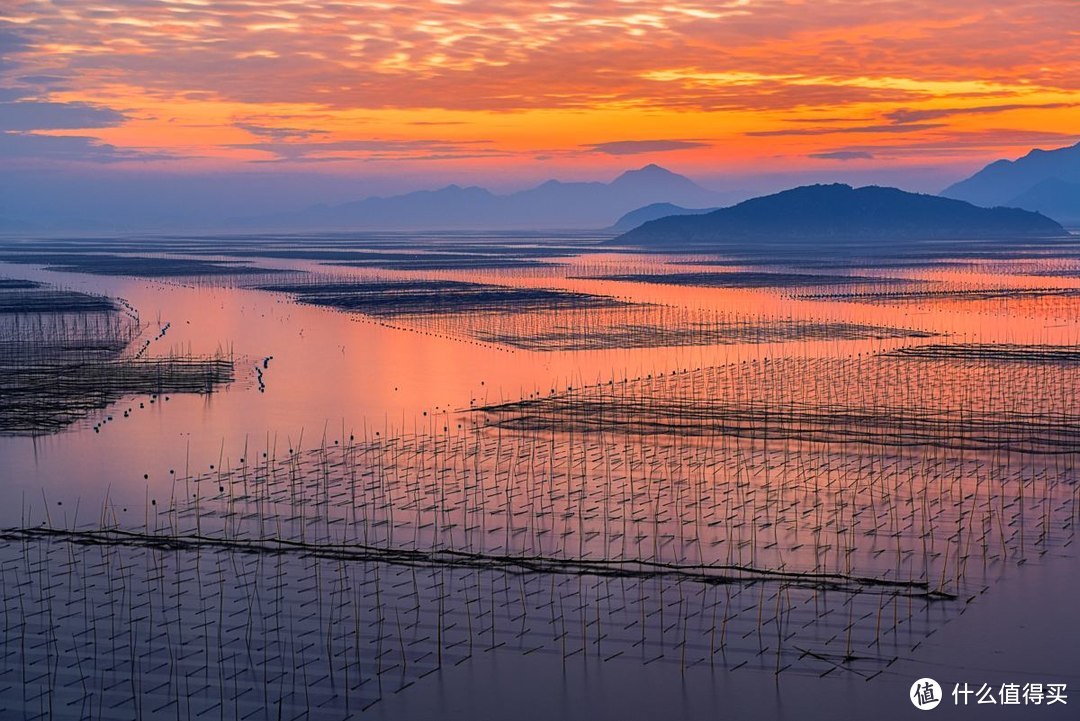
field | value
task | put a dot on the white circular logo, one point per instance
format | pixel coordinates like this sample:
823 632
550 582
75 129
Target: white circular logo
925 694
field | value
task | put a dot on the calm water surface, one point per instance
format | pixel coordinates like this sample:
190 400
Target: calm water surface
333 376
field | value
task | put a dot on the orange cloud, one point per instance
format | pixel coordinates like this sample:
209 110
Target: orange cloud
491 83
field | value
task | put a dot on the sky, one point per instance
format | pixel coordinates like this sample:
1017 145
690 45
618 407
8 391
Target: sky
353 98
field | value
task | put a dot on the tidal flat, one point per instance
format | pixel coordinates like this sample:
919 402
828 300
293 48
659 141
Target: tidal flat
271 479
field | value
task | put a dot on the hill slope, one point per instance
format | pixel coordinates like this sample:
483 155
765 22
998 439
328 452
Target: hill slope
1033 182
843 213
634 218
1054 198
553 204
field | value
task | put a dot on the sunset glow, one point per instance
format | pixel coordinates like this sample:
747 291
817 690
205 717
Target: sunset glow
583 360
708 87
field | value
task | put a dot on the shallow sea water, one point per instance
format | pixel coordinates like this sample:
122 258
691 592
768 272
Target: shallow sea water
376 472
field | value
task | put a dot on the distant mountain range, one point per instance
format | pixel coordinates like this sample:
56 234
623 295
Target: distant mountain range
1047 181
840 212
551 205
634 218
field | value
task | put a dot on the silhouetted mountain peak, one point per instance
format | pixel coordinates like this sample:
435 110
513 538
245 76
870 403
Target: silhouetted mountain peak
839 211
1003 181
652 173
552 204
645 170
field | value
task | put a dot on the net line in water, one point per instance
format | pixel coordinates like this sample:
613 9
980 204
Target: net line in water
65 354
615 568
